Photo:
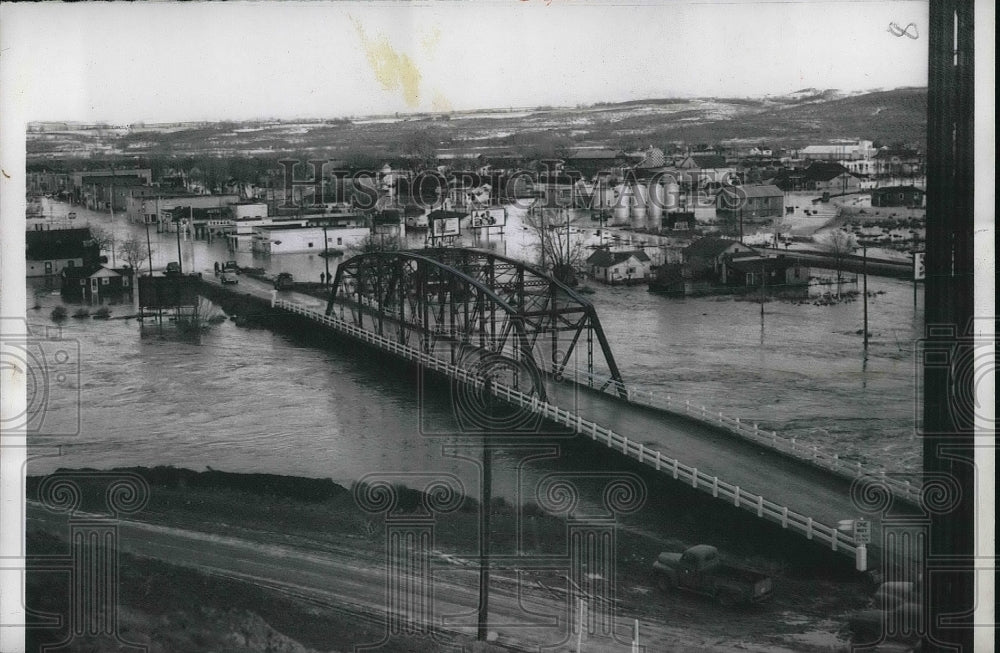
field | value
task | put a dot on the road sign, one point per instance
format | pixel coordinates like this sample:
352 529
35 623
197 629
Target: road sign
862 531
919 272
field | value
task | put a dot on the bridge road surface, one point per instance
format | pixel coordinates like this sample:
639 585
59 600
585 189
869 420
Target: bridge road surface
804 489
523 613
807 490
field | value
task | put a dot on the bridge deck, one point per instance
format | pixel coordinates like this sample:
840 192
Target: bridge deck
783 480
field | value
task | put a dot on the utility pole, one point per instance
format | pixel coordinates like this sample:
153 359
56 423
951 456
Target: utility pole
864 289
149 247
177 227
326 253
763 281
486 500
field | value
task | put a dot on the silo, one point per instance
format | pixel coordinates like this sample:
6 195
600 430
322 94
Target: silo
638 205
622 202
657 204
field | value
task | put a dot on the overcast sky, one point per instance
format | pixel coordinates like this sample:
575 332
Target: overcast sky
197 61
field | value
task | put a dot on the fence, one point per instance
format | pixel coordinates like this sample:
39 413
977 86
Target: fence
788 519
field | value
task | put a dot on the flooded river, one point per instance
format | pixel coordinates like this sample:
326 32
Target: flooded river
252 400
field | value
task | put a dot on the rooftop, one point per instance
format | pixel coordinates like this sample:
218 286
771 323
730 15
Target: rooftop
603 258
709 246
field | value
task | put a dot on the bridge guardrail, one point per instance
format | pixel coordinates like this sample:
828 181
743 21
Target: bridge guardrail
788 519
812 454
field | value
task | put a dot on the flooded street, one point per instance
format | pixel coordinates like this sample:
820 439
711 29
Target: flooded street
252 400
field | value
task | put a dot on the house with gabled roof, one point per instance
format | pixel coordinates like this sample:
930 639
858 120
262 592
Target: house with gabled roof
706 255
97 283
620 267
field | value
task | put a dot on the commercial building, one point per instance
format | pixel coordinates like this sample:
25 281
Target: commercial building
304 238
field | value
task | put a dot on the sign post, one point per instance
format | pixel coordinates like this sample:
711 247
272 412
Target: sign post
919 272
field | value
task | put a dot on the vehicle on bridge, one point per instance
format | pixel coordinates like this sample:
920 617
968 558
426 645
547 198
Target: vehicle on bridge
284 281
228 278
231 266
700 570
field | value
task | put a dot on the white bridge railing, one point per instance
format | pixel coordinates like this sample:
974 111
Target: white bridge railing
809 453
839 541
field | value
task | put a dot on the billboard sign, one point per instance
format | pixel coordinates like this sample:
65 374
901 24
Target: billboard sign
485 219
445 223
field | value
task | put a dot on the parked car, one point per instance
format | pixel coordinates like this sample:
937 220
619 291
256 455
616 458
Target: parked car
231 266
284 281
228 278
700 570
173 268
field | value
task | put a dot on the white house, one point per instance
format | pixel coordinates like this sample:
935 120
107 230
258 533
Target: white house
633 266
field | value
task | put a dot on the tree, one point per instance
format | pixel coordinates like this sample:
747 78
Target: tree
133 251
561 254
420 147
378 243
839 244
104 239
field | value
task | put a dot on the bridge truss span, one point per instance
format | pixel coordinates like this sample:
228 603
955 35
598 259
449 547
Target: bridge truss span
466 306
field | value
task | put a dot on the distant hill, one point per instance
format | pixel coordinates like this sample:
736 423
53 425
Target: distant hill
807 115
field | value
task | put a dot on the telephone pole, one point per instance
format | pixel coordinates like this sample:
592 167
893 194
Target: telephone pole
864 289
485 506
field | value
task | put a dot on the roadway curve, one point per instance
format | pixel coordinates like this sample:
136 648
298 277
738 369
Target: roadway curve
803 488
523 613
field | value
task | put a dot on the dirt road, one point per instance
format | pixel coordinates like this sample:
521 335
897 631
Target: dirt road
527 609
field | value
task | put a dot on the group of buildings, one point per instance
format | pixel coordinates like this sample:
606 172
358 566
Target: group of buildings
650 189
712 265
73 257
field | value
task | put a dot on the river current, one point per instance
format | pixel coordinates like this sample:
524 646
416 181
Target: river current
253 400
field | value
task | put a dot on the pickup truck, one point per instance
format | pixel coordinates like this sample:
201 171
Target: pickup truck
700 570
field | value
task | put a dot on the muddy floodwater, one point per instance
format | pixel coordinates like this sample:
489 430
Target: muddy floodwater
253 400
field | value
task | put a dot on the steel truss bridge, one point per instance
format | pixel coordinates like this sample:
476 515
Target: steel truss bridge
502 327
487 313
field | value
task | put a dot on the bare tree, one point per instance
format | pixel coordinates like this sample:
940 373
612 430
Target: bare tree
839 244
376 242
105 240
133 251
560 253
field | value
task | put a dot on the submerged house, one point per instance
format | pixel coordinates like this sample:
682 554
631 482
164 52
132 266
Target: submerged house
97 283
49 252
717 265
625 267
768 271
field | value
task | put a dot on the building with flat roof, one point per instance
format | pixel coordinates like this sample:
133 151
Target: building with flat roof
304 238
